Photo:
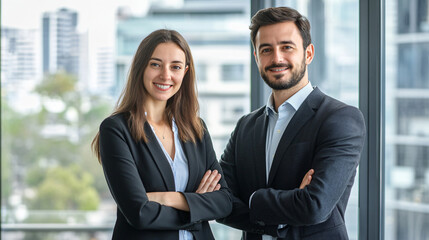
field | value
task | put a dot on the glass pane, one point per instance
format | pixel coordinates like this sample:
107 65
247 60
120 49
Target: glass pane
407 118
335 67
63 65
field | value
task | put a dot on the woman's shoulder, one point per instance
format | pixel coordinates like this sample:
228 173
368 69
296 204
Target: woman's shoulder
115 120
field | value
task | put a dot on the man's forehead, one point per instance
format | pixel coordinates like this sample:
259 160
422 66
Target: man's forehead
278 33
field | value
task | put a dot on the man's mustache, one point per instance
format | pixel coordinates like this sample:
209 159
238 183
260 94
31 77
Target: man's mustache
278 65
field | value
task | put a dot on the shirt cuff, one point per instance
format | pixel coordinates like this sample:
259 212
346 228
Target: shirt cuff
250 199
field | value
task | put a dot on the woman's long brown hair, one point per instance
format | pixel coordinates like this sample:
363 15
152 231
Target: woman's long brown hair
182 106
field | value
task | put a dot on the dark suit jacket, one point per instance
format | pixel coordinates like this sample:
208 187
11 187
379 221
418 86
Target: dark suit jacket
134 168
324 134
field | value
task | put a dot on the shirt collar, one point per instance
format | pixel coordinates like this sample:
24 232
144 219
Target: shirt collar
295 101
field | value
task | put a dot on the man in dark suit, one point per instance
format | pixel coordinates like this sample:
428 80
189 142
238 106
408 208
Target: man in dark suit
299 129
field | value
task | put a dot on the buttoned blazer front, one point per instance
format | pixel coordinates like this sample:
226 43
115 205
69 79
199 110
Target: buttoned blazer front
325 135
134 168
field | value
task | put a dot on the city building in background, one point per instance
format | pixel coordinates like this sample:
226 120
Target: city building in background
20 67
64 49
407 120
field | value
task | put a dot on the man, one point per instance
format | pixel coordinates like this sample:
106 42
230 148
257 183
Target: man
299 129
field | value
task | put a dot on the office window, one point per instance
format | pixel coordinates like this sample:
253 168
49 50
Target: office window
233 72
335 67
407 118
201 72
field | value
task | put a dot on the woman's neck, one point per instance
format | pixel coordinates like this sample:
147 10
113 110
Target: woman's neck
155 112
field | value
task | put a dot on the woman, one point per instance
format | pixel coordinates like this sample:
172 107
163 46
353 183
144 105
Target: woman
156 152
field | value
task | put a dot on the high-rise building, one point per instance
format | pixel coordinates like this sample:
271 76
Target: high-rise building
60 42
104 71
407 120
20 66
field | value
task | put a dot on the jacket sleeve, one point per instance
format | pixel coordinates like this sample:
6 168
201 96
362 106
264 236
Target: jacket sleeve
338 147
211 205
240 215
127 187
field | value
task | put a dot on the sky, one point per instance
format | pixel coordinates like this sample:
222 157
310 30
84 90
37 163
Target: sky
28 13
96 17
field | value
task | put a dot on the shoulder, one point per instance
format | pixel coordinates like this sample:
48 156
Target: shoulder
337 117
335 107
329 106
251 117
114 121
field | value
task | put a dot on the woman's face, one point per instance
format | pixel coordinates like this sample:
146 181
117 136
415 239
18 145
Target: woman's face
164 74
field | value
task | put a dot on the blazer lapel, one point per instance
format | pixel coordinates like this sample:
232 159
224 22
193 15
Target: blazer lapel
160 160
304 113
260 135
189 150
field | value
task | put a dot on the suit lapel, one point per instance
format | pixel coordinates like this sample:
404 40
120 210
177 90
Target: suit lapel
159 158
260 135
189 150
301 117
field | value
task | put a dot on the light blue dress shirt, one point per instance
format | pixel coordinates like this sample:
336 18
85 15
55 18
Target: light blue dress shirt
277 123
180 170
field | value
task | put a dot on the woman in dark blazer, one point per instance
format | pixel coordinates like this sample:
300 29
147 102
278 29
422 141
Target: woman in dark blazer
156 152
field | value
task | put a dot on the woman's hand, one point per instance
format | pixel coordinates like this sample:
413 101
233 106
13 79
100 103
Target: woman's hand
170 199
209 182
307 179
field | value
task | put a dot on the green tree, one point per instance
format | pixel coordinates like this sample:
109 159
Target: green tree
52 146
67 188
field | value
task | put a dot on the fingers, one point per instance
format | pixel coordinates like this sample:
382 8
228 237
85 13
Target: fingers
307 179
209 182
203 181
213 184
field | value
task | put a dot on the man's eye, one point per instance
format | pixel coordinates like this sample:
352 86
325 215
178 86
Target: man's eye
265 50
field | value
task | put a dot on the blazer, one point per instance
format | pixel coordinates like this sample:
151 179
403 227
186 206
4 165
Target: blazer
324 134
133 168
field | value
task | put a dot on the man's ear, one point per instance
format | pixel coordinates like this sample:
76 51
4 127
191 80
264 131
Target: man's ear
256 57
309 54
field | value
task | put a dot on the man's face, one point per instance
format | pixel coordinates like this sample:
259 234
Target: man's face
280 56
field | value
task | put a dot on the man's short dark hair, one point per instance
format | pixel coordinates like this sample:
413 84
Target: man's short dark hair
274 15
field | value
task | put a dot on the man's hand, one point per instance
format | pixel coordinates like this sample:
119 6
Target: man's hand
209 182
307 179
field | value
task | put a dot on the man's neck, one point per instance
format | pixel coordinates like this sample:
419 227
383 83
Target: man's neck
280 96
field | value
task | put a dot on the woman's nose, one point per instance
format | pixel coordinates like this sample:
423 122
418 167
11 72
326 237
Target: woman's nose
165 74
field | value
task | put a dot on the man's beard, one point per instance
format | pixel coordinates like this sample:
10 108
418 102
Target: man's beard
296 77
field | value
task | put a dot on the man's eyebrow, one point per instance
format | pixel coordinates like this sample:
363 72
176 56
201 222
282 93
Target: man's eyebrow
287 42
280 43
264 45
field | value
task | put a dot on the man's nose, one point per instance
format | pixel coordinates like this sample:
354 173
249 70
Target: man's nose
277 56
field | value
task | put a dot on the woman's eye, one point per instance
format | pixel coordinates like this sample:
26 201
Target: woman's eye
154 64
177 67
